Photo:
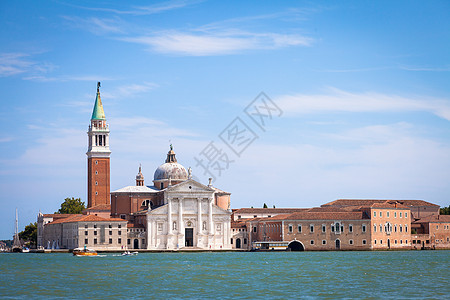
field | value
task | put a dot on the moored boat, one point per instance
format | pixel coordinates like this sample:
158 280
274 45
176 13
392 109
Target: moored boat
84 252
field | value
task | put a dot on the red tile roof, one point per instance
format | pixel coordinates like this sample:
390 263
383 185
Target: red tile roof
85 218
100 207
369 202
340 215
434 219
268 210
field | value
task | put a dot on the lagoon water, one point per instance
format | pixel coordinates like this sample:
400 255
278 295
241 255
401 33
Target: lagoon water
244 275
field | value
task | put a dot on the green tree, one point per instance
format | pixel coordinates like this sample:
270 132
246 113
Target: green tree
445 210
265 205
29 234
71 206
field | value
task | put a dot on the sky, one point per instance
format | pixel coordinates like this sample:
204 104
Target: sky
288 103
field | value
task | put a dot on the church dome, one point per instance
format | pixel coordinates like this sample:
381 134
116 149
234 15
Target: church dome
171 169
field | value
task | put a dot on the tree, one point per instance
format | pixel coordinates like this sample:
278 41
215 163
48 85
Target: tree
445 210
71 206
29 234
265 205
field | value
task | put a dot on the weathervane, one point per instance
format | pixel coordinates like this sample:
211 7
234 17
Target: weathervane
98 86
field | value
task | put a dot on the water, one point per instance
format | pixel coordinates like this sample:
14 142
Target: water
287 275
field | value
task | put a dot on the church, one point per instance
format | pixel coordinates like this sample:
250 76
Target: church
175 212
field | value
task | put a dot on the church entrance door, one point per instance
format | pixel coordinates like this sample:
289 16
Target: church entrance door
189 237
238 243
136 244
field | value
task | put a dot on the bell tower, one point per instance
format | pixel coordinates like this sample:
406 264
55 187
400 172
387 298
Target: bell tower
98 156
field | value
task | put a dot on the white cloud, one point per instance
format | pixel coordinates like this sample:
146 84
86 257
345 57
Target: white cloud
17 63
341 101
220 43
144 10
95 25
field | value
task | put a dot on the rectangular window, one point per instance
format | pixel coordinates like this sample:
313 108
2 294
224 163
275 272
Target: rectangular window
381 213
245 241
299 228
406 214
375 242
374 227
119 232
311 228
387 214
95 225
95 241
128 241
95 232
395 214
374 214
85 233
85 241
110 232
290 228
119 241
350 228
400 214
324 228
110 241
364 228
406 228
231 241
85 225
254 228
110 226
401 228
119 226
381 228
332 228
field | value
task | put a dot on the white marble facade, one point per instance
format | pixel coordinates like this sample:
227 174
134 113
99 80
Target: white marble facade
188 219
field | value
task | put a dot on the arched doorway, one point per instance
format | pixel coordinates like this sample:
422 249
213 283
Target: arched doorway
296 246
238 243
338 244
136 244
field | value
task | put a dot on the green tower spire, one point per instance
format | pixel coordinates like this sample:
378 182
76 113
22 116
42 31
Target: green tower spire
98 113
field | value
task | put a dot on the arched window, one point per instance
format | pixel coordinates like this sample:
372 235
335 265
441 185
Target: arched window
174 226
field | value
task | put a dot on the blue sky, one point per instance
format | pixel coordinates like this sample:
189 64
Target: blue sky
362 89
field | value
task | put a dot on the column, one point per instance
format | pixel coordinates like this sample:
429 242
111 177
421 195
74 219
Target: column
169 216
199 216
210 220
180 216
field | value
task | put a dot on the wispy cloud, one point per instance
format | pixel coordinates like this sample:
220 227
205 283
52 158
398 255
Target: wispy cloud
130 90
426 69
341 101
216 43
6 139
18 63
143 10
64 78
95 25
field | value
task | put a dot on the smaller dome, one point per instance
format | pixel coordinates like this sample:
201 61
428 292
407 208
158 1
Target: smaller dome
173 170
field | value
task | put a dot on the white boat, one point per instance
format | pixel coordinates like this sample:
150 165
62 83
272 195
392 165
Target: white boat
126 253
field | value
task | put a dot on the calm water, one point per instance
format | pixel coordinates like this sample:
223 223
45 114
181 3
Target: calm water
408 274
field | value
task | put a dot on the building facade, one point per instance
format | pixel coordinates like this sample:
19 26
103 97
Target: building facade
176 212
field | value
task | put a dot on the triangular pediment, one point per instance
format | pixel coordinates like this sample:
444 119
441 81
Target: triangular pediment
189 186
